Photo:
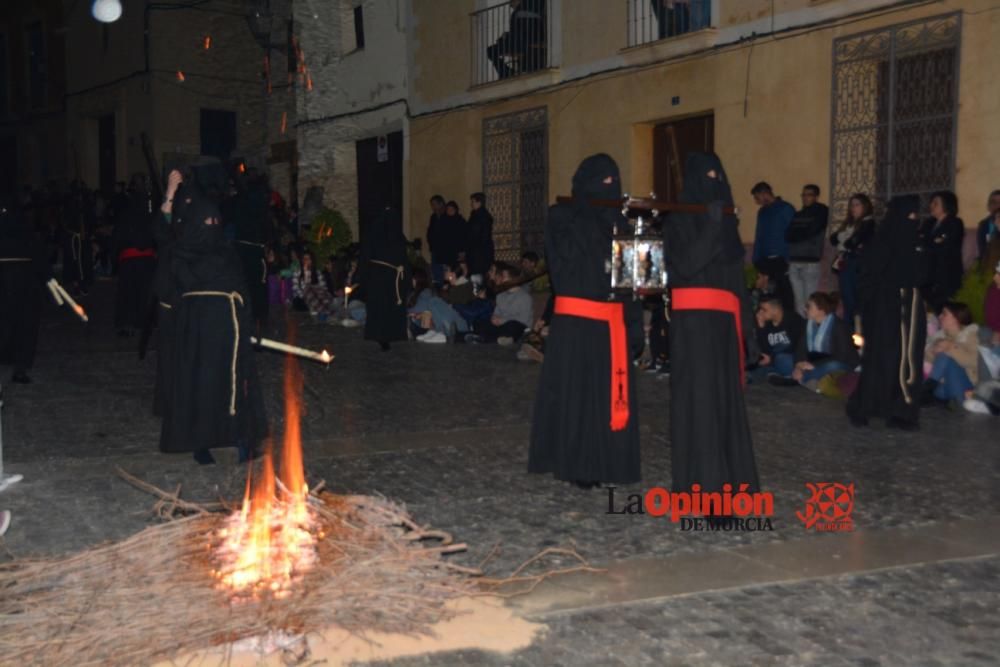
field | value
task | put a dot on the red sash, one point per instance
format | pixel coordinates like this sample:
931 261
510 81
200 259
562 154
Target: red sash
708 298
614 314
135 253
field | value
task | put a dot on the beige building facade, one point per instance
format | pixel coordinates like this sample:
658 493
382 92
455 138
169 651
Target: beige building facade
854 95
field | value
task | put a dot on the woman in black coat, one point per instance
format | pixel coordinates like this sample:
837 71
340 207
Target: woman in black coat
941 237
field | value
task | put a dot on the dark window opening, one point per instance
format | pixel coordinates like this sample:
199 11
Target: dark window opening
359 27
37 82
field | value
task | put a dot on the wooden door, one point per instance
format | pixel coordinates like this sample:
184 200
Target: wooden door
672 142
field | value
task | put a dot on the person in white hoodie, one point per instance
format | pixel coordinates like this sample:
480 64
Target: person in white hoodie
513 311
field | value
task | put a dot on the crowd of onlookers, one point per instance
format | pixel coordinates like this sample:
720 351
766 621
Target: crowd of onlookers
805 338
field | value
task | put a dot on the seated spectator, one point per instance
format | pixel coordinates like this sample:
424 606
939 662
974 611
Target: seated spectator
309 290
459 288
826 346
433 320
778 333
991 311
529 265
953 353
533 343
512 312
775 281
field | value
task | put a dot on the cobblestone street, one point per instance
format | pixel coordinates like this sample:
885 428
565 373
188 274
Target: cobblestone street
443 429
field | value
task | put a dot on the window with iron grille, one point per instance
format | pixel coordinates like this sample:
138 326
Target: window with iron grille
515 180
894 116
653 20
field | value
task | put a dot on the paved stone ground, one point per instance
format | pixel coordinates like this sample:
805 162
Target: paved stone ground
444 430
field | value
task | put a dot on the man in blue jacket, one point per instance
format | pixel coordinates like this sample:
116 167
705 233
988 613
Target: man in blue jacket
773 219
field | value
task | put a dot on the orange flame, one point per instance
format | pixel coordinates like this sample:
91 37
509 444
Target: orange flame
208 42
284 121
180 76
267 546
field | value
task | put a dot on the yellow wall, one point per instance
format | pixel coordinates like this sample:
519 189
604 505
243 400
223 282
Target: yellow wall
784 138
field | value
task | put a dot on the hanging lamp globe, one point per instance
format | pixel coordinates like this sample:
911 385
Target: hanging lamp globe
106 11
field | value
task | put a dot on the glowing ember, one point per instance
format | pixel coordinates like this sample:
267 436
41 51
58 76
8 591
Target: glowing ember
180 76
858 340
265 548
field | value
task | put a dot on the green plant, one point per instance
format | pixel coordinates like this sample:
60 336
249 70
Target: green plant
750 275
972 293
329 235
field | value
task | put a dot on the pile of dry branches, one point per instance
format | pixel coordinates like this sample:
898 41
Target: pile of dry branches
152 597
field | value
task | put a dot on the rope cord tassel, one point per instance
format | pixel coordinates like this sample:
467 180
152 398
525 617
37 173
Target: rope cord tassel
233 298
399 276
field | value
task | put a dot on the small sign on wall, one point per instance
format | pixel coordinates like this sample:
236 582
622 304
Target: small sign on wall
383 148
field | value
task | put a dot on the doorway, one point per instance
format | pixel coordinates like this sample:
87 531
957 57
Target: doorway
380 177
672 143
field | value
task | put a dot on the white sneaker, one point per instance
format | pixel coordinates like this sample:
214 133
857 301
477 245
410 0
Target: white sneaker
433 337
349 323
425 335
505 341
976 406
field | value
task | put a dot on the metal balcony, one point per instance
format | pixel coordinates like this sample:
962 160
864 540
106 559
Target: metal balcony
510 39
653 20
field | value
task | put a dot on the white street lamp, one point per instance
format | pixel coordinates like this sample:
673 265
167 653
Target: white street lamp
107 11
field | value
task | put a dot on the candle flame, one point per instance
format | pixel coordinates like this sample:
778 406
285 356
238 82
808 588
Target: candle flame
208 42
858 340
180 76
348 289
325 357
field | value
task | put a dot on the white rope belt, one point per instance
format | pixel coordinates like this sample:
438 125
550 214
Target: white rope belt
233 298
399 276
906 343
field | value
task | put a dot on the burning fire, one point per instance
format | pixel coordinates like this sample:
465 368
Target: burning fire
266 547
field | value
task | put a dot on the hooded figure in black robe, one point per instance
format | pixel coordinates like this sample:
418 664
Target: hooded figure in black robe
134 248
572 436
385 274
709 431
23 273
214 397
893 321
247 211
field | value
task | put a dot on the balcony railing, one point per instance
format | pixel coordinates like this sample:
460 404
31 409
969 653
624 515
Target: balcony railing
653 20
510 39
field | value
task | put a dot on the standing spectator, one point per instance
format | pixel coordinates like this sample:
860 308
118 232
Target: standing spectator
849 240
778 336
942 241
437 239
805 237
479 243
826 346
953 353
989 227
773 219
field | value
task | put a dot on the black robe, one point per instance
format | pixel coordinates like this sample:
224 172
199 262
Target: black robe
23 274
75 237
709 432
385 288
892 314
247 211
942 243
479 248
571 434
134 232
209 403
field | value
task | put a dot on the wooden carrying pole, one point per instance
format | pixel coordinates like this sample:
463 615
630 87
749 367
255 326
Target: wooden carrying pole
646 204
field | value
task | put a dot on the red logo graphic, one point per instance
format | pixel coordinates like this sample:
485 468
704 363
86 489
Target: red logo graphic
829 508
